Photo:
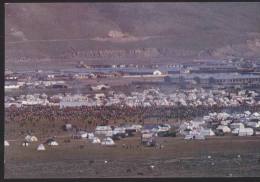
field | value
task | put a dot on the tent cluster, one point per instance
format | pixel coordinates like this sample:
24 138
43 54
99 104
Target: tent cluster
242 124
85 135
52 142
30 138
106 134
147 98
195 130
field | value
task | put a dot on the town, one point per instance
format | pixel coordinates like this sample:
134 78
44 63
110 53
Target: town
131 90
201 87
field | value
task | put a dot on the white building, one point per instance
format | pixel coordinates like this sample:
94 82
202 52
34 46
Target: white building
103 130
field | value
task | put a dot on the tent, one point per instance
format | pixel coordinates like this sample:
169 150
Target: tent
237 125
25 144
53 143
247 112
188 137
84 135
246 132
235 131
207 132
199 137
67 127
109 133
157 72
256 114
96 140
34 139
103 130
253 124
7 143
30 138
108 141
41 147
224 128
120 130
91 136
225 122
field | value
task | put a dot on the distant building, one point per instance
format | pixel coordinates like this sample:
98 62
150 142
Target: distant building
216 79
214 69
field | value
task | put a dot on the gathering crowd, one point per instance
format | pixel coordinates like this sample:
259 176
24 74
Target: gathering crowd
97 115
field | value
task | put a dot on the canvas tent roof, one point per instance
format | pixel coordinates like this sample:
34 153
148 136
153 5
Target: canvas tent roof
108 141
34 139
30 138
52 142
41 147
96 140
7 143
207 132
25 144
91 136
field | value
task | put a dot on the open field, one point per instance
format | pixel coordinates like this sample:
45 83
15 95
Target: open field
178 158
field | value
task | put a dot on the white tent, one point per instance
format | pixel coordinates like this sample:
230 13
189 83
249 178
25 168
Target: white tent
256 114
119 130
225 122
257 132
222 116
108 141
53 143
224 128
96 140
7 143
188 137
199 137
34 139
41 147
109 133
25 144
91 136
103 130
247 112
253 124
236 125
235 131
84 135
157 72
207 132
246 132
30 138
137 127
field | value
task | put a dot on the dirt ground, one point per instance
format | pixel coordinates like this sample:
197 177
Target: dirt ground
215 156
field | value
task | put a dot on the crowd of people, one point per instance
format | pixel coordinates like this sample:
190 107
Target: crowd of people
98 115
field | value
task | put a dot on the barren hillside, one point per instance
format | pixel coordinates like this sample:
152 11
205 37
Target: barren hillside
126 32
